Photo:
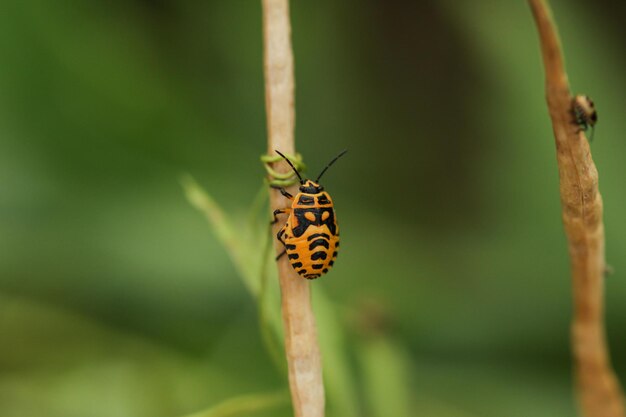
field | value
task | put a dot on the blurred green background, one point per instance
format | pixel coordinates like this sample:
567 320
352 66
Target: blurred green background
451 297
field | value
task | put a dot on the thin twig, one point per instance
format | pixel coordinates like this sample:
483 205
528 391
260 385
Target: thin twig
599 392
302 349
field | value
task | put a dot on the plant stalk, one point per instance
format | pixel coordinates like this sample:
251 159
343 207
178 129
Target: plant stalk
301 344
598 390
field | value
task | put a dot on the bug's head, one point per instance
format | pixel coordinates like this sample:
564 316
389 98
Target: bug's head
311 187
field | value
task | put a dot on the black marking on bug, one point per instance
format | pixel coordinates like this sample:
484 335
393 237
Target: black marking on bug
319 242
318 255
331 263
293 256
290 246
325 270
312 276
304 223
317 266
334 254
314 235
323 199
296 264
306 200
337 244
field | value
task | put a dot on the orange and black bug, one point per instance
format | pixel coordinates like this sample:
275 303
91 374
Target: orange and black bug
311 234
585 114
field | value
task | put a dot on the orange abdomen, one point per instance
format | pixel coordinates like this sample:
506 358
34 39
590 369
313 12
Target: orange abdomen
314 252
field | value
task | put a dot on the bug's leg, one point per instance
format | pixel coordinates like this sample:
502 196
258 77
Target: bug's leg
282 191
280 211
279 236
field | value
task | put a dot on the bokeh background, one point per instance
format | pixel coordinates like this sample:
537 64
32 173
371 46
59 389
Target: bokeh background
451 297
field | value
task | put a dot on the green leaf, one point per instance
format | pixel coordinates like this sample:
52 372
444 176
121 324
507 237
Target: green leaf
245 405
339 378
249 250
386 377
225 232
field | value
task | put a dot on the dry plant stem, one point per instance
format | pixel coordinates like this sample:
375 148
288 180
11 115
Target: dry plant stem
599 392
303 354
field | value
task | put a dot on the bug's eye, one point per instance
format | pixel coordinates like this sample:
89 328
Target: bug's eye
325 216
309 216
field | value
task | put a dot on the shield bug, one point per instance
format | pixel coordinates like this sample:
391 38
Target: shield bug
311 233
585 114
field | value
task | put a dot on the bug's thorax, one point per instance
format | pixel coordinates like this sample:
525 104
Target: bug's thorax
311 213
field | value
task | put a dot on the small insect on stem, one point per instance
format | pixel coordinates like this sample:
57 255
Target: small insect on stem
585 114
311 233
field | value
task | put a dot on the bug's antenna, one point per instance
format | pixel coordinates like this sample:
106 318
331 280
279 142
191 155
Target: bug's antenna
329 164
292 167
